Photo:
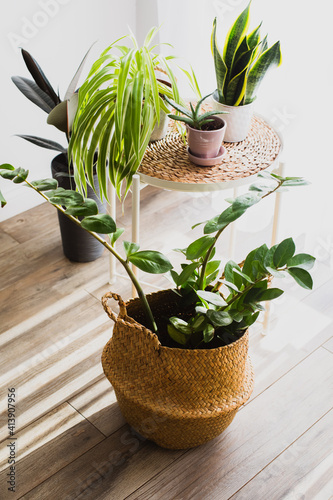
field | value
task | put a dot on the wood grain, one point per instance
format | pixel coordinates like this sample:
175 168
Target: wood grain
111 470
220 468
329 344
306 468
98 404
42 453
52 331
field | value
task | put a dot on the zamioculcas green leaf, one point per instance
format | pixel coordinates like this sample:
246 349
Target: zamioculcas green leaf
270 294
66 197
3 201
219 318
180 325
101 223
196 249
211 298
186 273
302 260
45 184
151 261
114 236
83 209
302 277
284 251
177 336
208 333
130 248
6 166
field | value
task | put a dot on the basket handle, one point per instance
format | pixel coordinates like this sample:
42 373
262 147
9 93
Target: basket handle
108 310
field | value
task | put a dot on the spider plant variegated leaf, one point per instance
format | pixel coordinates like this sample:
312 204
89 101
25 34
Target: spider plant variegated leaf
119 104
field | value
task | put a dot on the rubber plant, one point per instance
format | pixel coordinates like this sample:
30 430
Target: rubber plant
243 63
40 91
224 300
119 104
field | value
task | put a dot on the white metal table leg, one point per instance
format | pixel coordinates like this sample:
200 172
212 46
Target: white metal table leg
276 218
135 218
111 210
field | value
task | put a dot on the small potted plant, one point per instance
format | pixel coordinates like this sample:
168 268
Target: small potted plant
178 359
240 68
205 132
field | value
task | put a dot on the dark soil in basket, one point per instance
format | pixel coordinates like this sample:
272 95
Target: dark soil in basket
185 312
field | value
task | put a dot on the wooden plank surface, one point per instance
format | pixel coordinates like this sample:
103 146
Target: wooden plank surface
110 470
304 470
98 404
41 454
219 469
68 361
53 330
329 344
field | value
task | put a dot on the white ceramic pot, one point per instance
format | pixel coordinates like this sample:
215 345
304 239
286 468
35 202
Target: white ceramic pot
160 130
238 119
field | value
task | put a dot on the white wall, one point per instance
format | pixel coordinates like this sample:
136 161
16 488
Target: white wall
57 33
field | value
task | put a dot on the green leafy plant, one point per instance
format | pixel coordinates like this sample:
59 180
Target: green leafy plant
39 91
192 117
220 302
119 104
243 63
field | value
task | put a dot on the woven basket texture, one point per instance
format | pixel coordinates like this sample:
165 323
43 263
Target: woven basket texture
179 398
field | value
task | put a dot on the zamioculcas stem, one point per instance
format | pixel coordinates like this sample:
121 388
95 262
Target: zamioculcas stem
109 247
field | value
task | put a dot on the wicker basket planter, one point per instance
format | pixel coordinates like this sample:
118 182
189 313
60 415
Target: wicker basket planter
179 398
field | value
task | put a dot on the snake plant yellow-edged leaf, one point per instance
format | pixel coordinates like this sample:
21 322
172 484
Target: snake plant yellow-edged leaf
269 59
235 36
220 67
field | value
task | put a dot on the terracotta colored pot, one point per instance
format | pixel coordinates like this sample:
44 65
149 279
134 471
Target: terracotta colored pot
206 143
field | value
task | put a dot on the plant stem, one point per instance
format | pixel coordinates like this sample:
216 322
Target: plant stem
211 248
109 247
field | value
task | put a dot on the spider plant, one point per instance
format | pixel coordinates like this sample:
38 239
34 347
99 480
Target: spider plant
242 65
119 104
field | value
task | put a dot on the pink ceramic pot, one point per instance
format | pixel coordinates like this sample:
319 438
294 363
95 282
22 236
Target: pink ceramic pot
206 143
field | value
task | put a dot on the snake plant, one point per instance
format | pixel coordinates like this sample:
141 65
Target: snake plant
119 104
242 65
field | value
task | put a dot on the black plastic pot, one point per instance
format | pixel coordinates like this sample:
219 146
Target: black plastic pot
77 244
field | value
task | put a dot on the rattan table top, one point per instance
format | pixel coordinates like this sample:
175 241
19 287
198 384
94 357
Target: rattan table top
166 162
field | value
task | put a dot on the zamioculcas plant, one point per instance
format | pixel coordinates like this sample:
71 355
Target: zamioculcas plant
243 63
119 104
178 359
221 302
